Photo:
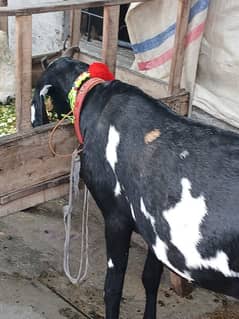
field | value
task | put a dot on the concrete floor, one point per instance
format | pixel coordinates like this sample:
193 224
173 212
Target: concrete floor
33 286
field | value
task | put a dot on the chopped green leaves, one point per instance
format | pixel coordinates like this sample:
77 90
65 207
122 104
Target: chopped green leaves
7 119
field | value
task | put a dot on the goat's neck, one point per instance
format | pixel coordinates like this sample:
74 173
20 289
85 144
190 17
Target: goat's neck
92 108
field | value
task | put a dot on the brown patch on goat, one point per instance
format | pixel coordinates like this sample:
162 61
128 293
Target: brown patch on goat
151 136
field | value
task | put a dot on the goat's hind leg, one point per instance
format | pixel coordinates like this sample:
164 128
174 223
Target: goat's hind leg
117 234
153 270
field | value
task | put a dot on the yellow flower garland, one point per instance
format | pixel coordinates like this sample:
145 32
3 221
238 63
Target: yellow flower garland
72 95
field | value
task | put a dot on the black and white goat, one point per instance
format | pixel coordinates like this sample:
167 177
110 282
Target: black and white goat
172 180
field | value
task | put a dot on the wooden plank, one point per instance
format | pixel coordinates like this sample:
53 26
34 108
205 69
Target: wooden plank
110 36
26 159
179 46
180 286
34 175
75 22
151 86
34 199
4 20
178 103
27 191
60 6
23 71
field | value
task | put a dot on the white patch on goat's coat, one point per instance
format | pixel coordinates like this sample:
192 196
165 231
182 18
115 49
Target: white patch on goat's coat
110 264
33 113
132 212
117 190
184 154
111 148
111 154
147 214
45 90
220 263
185 220
160 249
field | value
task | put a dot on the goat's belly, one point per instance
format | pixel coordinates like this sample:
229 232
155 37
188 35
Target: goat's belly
212 273
216 282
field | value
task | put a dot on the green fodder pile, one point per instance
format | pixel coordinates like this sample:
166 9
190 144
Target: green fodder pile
7 119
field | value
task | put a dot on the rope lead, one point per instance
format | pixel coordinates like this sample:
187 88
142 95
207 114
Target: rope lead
67 210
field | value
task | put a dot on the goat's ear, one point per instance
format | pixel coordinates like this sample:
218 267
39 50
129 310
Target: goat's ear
44 63
65 43
70 52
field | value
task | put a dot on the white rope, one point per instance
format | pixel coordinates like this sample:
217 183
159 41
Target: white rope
73 193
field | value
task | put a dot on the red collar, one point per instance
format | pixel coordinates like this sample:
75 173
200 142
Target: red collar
84 89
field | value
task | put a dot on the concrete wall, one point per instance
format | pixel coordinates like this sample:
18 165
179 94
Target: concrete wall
47 28
7 71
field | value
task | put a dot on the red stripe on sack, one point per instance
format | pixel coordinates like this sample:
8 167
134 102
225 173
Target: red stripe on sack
163 58
166 56
194 34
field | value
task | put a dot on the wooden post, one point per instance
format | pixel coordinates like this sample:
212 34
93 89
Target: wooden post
3 20
181 286
23 71
110 36
75 22
179 46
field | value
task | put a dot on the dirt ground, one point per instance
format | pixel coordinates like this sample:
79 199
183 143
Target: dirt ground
33 285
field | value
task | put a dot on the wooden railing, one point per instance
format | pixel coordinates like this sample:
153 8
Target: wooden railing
29 173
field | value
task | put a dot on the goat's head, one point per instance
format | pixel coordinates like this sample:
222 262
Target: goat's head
52 88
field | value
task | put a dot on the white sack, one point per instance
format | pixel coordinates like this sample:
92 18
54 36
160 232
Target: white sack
151 28
217 83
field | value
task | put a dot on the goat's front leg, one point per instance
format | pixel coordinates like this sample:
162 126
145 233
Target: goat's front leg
153 269
118 234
